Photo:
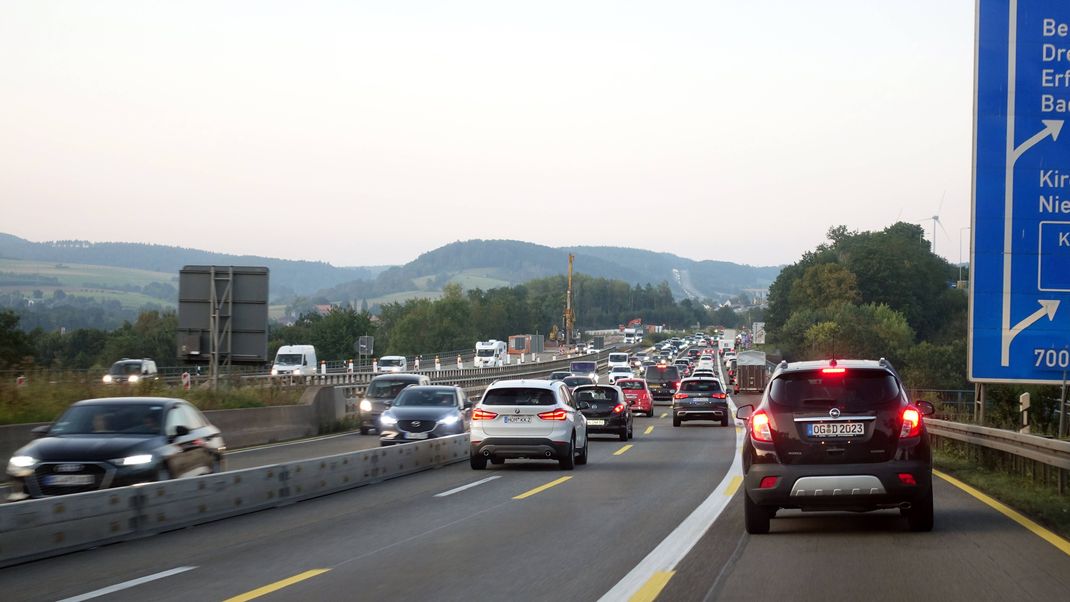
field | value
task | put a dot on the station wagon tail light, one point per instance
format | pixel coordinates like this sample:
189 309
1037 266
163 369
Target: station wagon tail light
719 396
680 396
617 409
759 427
911 423
481 414
558 414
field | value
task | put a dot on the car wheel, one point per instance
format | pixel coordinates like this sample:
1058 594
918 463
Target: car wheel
675 420
568 457
364 430
217 465
623 434
162 474
497 461
724 421
920 514
631 430
581 458
755 517
478 462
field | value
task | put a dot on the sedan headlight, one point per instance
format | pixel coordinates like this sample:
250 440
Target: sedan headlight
136 460
134 378
387 420
107 379
365 405
274 371
448 420
21 466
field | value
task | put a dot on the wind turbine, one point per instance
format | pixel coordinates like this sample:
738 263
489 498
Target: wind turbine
936 222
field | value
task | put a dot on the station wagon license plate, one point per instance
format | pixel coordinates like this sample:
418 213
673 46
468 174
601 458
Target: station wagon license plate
516 419
69 480
595 422
835 429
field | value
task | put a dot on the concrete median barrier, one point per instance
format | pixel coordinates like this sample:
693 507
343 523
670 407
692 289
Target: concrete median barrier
36 529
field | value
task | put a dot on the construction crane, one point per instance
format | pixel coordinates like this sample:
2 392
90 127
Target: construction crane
570 316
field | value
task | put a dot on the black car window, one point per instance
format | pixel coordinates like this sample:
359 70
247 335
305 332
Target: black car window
125 368
386 388
134 419
599 394
702 386
519 396
426 398
851 390
629 385
660 374
575 381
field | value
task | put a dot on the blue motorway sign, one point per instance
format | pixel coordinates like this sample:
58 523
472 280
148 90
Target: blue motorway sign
1020 252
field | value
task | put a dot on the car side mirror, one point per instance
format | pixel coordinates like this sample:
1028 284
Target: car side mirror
927 409
181 431
468 404
744 412
584 405
40 431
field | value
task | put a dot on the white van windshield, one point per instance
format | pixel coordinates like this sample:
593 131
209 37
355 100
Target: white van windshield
387 362
618 357
485 353
289 359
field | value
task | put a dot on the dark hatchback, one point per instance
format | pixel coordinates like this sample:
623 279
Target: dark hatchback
606 410
110 442
425 412
662 381
380 394
700 399
837 436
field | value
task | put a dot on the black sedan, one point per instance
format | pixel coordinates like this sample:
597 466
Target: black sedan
425 412
606 410
115 441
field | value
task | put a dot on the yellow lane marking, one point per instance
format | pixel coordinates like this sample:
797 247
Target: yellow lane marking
1010 513
541 488
649 429
274 587
653 586
733 485
622 450
665 414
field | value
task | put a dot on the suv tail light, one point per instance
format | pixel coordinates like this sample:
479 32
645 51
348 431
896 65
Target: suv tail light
680 396
676 384
620 407
558 414
760 428
481 414
911 423
719 396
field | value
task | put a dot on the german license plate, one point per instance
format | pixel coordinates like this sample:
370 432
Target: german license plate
626 396
416 435
516 419
596 422
835 429
69 480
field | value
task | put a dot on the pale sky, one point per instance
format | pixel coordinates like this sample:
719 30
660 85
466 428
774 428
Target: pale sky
365 133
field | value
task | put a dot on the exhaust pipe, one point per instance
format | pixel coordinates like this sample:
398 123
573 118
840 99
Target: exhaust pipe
486 453
549 454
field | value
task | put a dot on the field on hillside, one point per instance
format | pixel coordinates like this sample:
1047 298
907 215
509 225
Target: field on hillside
73 275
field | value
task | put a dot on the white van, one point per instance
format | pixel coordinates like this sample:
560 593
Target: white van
393 363
295 360
490 354
618 360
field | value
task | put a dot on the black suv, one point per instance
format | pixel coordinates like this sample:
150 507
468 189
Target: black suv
836 435
662 381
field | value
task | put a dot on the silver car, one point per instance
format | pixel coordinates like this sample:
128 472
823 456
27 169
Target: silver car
537 419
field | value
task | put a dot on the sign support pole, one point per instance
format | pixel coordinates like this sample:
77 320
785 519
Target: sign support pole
1062 409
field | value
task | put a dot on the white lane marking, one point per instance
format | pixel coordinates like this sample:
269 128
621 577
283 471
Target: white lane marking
127 584
468 486
676 546
297 442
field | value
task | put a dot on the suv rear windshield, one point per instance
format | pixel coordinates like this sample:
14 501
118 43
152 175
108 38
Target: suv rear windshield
660 374
596 394
630 385
583 367
521 396
705 386
853 390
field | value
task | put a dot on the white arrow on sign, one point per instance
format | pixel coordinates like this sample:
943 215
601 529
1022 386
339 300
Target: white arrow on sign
1052 127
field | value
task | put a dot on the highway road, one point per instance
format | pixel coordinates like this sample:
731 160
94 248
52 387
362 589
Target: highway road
528 531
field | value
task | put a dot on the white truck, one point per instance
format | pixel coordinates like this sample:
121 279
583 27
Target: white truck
728 340
393 363
490 354
295 360
618 360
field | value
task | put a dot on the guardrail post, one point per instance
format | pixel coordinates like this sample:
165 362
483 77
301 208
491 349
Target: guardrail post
1023 407
416 363
979 404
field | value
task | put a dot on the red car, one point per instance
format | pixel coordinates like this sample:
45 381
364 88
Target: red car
637 394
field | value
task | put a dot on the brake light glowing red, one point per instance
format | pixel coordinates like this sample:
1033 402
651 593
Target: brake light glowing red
760 427
911 423
617 409
481 414
833 370
558 414
768 482
719 396
680 396
907 479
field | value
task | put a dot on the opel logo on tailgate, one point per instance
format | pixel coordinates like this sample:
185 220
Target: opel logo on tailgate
834 412
517 410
